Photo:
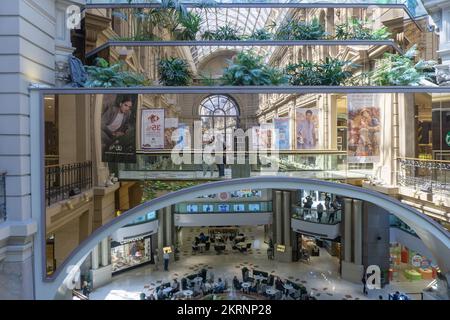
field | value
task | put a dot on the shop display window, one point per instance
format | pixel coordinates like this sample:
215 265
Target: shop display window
126 255
239 207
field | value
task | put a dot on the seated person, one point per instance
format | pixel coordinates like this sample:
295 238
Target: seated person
207 288
262 289
236 283
255 287
175 286
220 287
279 285
202 237
160 294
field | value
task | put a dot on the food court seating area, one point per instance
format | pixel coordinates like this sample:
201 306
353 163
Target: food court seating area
257 283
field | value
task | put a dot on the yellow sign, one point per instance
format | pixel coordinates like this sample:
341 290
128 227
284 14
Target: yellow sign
167 250
281 248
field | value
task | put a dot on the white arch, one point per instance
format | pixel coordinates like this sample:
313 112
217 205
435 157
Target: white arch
432 234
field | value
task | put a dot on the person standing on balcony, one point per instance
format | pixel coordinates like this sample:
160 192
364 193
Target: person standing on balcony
319 212
115 119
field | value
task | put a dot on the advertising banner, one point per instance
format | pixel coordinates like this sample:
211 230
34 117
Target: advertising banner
266 140
282 133
171 125
307 128
364 128
152 129
118 125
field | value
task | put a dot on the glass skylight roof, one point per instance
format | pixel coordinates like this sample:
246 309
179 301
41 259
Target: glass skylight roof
245 20
415 6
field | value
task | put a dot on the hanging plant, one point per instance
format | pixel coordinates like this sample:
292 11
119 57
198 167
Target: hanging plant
150 188
330 72
222 33
188 27
174 72
247 69
260 34
356 29
104 75
300 30
401 70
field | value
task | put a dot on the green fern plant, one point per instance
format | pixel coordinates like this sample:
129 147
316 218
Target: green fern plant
247 69
300 30
401 70
174 72
104 75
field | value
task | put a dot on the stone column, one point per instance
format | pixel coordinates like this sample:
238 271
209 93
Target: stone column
287 218
105 252
376 237
347 239
351 270
277 211
94 258
169 226
357 231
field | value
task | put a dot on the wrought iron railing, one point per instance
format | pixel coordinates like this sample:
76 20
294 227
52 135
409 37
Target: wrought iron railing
2 196
64 181
431 176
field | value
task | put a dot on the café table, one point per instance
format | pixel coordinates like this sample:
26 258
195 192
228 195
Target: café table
246 286
188 293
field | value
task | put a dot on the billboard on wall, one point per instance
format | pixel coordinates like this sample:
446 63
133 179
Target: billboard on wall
307 128
265 136
118 125
152 129
364 128
171 125
282 133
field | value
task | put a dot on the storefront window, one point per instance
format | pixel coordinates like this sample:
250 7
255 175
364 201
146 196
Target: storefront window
125 255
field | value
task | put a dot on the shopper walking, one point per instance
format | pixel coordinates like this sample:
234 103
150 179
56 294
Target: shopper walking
156 260
364 281
319 212
166 261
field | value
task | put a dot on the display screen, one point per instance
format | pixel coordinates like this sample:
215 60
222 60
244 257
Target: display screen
246 193
208 208
254 207
192 208
224 208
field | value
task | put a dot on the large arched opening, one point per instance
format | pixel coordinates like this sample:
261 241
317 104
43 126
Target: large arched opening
434 237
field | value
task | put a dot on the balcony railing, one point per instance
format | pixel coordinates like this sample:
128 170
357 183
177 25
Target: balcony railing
65 181
318 164
2 196
430 176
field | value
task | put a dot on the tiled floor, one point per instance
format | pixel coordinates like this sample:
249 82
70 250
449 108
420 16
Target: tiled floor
320 276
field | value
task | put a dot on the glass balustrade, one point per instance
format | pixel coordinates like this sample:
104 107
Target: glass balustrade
397 223
163 166
312 215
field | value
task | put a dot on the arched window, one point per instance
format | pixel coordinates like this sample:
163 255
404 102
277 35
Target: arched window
219 112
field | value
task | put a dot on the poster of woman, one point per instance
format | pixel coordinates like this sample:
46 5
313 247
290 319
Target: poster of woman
364 127
118 126
307 126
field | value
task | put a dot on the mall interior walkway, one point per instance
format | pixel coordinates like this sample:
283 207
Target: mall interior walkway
320 276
